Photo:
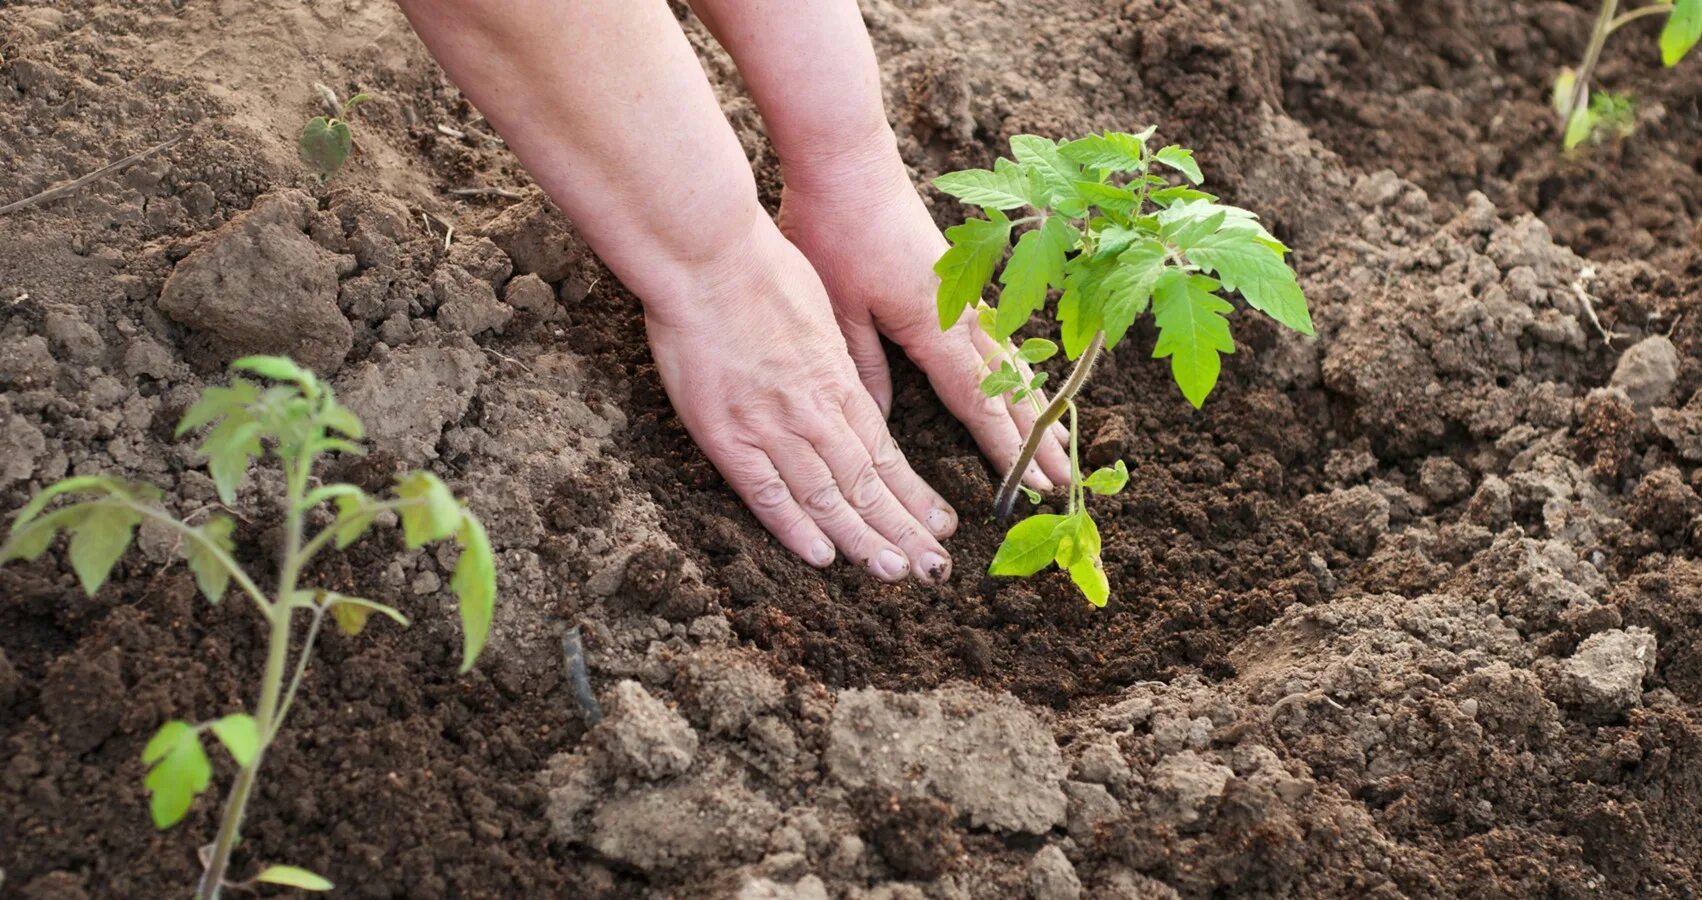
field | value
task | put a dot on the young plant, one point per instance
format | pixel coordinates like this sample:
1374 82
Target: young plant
1115 237
326 142
1608 116
297 420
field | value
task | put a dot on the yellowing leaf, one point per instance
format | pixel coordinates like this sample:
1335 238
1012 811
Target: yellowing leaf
294 876
1683 29
474 583
1088 573
433 515
351 613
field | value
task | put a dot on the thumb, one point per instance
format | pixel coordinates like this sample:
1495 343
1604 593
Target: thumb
867 354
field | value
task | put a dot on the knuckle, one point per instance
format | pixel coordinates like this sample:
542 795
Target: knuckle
888 459
830 393
771 495
822 499
867 488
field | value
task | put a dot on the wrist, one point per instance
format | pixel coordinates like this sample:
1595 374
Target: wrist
826 159
681 290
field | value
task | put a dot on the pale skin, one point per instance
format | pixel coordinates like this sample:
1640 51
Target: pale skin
607 107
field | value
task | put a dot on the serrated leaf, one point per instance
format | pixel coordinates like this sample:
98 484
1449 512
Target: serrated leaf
218 402
474 584
294 876
33 539
354 516
351 613
1007 186
986 317
433 516
178 771
1036 350
325 145
229 448
1244 263
1111 151
1192 331
1055 176
241 736
279 368
98 539
1179 194
1184 224
1000 380
1182 160
1108 481
211 575
1128 287
1108 196
1088 574
1683 29
1029 546
976 248
1081 308
1035 265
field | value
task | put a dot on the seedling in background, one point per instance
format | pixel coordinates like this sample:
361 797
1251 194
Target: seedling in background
326 142
1115 237
297 420
1606 116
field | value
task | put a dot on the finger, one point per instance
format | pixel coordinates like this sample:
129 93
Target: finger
1052 456
920 500
954 368
817 492
753 476
871 498
867 354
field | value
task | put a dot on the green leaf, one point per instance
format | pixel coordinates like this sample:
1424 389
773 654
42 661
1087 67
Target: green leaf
1108 482
1081 309
976 248
1186 223
1035 383
1192 331
229 449
218 402
1000 380
474 583
1036 350
434 516
178 771
1182 160
1032 494
1245 264
1128 287
354 516
1035 265
1108 196
338 417
279 368
1179 194
293 876
351 613
325 145
89 484
33 539
1565 82
1078 537
350 104
1111 151
1579 126
1088 574
241 736
211 575
1683 29
1055 176
98 539
1007 186
1029 546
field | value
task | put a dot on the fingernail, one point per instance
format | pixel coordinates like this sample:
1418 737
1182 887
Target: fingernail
939 522
935 568
821 553
891 565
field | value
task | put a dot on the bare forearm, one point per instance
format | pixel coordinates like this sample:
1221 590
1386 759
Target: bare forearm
606 106
811 68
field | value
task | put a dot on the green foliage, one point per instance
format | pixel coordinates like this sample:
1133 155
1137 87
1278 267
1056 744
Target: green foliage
1114 236
1682 31
1598 117
296 420
327 141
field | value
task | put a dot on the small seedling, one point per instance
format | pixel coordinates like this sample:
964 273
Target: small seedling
1115 237
1606 116
297 420
326 142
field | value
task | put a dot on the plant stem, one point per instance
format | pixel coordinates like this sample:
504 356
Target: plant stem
1592 53
1006 498
1636 14
1077 500
271 685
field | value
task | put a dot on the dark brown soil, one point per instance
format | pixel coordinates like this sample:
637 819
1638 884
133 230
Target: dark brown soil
1363 601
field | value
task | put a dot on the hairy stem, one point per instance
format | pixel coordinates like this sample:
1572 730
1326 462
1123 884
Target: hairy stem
1005 500
271 685
1592 53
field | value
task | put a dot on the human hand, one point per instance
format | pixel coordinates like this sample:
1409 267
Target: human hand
859 221
758 372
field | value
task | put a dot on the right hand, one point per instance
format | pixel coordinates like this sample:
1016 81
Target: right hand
758 371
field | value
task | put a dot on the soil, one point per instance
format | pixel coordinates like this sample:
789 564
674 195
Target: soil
1413 609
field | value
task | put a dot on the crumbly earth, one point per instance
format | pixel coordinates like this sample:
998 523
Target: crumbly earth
1413 609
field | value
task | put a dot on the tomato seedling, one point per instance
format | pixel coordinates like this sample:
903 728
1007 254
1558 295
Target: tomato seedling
326 141
297 419
1116 238
1601 116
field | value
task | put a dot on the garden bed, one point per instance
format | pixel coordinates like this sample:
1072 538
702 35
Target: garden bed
1413 608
